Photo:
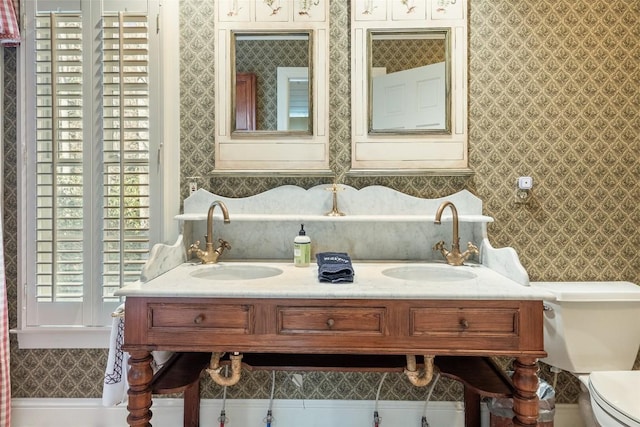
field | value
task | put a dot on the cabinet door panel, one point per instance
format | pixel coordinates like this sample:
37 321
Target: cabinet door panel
330 320
232 318
464 321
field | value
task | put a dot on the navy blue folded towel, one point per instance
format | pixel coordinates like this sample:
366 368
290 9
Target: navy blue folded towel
334 267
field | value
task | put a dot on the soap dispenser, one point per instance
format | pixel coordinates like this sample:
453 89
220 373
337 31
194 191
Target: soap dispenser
302 249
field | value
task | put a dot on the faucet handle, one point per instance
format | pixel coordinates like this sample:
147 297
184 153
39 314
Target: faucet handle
194 247
471 248
439 246
224 244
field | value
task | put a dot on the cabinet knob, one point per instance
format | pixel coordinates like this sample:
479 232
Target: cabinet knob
330 323
199 318
464 324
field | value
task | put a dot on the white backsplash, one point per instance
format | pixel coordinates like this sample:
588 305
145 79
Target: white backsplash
379 223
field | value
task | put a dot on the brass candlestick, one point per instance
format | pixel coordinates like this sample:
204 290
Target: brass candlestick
334 189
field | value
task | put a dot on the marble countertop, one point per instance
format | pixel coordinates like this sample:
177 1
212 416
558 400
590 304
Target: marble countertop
202 216
474 281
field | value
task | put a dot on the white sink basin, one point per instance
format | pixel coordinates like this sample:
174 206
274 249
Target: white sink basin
235 272
430 273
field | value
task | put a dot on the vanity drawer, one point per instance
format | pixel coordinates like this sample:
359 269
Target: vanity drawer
331 320
468 321
227 318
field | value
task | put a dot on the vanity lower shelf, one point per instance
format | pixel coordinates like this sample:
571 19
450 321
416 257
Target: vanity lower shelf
480 374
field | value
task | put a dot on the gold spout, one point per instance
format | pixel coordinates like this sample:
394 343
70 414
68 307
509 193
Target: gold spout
211 255
334 211
453 257
456 240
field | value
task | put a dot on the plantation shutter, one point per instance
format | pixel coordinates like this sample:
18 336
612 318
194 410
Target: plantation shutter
126 150
92 162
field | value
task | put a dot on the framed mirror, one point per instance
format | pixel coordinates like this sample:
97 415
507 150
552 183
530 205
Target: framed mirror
272 83
409 81
272 89
409 89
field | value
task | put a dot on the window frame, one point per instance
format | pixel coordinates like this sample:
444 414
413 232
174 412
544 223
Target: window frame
163 25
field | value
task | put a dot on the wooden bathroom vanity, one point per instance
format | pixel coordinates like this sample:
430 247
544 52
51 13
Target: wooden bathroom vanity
349 325
462 313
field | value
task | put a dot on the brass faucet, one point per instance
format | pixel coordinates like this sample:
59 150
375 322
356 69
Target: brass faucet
453 257
210 255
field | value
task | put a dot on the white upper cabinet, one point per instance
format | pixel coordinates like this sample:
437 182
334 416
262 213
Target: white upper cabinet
409 87
257 41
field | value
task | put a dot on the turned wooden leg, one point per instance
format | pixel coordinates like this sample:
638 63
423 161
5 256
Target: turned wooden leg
139 376
525 399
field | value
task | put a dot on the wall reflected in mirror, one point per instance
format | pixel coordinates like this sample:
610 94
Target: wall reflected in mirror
273 75
409 81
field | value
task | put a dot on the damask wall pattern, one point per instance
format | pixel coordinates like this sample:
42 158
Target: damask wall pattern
553 93
399 55
263 58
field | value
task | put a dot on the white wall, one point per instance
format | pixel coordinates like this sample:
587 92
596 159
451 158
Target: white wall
241 413
244 413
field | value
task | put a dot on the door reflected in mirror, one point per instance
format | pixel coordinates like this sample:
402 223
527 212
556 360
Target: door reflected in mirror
280 65
293 98
409 81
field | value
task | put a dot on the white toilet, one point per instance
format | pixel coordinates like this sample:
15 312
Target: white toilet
593 331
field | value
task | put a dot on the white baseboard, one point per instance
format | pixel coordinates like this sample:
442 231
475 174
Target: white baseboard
39 412
241 413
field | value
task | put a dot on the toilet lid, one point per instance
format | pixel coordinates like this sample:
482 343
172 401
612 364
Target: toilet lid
618 393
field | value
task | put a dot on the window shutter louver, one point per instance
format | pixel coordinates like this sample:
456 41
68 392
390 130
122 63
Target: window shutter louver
126 149
59 158
92 162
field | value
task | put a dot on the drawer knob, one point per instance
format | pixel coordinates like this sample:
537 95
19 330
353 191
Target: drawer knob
464 324
199 318
330 323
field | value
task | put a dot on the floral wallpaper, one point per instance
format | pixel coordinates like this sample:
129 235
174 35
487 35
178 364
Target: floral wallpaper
399 55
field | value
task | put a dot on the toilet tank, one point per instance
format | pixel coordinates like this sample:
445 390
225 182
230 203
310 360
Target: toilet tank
591 326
